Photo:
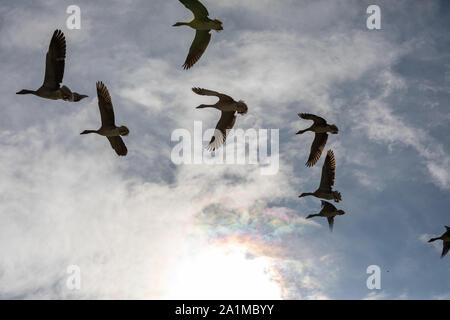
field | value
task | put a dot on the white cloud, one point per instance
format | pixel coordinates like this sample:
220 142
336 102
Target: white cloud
382 125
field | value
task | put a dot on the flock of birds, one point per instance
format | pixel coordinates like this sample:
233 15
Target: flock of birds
52 89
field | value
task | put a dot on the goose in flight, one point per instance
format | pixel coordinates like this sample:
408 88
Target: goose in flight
109 128
229 107
321 128
445 239
203 25
54 72
327 181
329 211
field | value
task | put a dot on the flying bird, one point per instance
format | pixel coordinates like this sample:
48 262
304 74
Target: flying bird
203 25
109 128
54 72
327 181
229 107
446 241
321 128
329 211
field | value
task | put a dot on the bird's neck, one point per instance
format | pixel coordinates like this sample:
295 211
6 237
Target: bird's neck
307 194
26 91
181 24
89 131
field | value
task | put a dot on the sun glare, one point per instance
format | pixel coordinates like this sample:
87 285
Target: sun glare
223 273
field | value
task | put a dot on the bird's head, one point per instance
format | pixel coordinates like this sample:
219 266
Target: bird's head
340 212
124 131
303 195
78 97
241 107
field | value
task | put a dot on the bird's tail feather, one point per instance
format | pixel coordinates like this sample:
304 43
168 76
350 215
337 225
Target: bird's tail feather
337 196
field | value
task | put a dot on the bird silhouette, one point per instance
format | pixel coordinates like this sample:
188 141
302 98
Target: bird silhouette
445 241
203 25
327 181
109 128
328 211
229 107
54 72
321 128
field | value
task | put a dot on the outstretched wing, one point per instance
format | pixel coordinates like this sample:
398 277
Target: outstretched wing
328 207
105 105
206 92
118 145
226 122
320 140
316 119
198 47
196 7
328 172
55 61
330 222
446 248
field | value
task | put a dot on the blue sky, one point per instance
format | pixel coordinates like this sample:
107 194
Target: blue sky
141 227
